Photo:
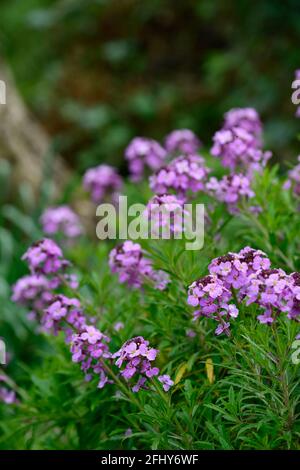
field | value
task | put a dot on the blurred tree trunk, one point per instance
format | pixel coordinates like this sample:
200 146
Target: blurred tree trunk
25 144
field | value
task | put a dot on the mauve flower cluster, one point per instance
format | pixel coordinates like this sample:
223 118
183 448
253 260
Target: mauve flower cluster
238 150
47 265
138 357
275 292
210 294
249 273
89 348
293 180
293 303
129 262
182 141
61 220
184 173
246 118
34 292
166 212
234 269
103 183
270 289
45 257
141 153
62 313
214 293
230 189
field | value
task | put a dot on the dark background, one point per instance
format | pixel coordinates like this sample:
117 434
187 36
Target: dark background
98 72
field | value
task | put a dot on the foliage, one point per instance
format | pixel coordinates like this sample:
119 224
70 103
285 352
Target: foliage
230 393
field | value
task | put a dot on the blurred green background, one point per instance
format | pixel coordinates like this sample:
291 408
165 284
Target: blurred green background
98 72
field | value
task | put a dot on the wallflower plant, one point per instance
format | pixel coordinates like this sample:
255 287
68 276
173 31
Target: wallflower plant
186 349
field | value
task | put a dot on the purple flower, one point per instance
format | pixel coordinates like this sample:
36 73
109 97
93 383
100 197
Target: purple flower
184 173
140 384
103 182
166 213
234 269
293 180
91 335
230 189
129 262
118 326
45 257
89 348
223 327
190 333
137 357
34 292
246 118
159 278
237 148
71 280
142 153
128 432
166 381
182 141
7 395
63 313
272 290
62 220
211 297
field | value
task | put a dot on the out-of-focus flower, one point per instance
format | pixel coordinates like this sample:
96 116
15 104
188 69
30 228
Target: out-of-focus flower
144 153
7 395
118 326
71 280
246 118
190 333
103 182
45 257
159 278
230 189
182 141
61 219
130 263
184 173
32 291
238 150
293 180
128 432
167 213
